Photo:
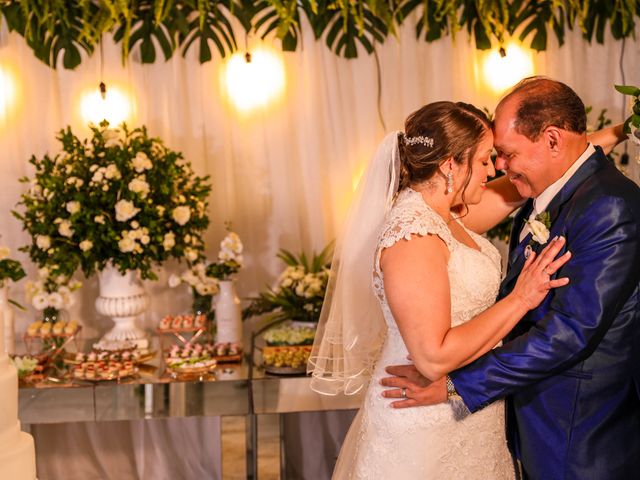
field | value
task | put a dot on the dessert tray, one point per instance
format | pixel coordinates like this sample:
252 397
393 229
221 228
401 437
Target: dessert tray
221 352
104 370
286 360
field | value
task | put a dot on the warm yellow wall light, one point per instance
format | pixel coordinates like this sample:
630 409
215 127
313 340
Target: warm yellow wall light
503 72
254 83
115 107
7 92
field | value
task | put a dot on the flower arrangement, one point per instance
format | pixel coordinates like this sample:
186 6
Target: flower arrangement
203 278
632 124
120 197
230 257
51 292
299 291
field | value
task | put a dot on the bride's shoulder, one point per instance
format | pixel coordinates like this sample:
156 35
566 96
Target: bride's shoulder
410 215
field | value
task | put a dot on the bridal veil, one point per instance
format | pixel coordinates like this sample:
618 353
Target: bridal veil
351 329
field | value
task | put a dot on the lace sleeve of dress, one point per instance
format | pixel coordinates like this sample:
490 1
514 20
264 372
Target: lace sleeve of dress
415 220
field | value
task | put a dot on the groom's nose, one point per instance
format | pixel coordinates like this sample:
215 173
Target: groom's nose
501 164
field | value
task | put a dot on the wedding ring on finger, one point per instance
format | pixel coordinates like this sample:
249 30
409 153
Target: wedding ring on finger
404 392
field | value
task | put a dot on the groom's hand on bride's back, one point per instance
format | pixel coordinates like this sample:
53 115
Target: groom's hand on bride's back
409 388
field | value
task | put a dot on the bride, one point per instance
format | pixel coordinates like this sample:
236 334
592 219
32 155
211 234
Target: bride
434 287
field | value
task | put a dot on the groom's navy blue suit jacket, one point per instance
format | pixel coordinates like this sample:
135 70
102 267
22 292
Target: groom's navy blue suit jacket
570 370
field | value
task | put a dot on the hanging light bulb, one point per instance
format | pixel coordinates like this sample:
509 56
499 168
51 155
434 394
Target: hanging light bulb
7 92
506 67
111 105
254 79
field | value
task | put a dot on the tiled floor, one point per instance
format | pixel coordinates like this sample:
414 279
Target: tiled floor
233 453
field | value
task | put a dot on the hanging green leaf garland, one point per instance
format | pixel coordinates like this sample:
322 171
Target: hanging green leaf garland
69 30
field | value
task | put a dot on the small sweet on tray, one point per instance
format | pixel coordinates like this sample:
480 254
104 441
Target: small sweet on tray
182 323
294 356
60 328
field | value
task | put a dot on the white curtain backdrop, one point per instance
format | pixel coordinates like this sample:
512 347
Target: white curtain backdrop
283 174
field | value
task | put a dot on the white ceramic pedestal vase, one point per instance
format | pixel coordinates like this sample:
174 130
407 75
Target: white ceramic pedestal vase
228 315
8 317
123 298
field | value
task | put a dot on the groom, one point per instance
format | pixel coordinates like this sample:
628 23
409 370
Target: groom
570 370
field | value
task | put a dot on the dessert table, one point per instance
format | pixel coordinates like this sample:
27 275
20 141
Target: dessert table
234 389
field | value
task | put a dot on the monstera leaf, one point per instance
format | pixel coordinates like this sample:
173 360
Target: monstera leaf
281 17
346 26
53 30
151 27
537 16
210 25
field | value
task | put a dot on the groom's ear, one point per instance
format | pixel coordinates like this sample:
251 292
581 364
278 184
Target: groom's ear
553 139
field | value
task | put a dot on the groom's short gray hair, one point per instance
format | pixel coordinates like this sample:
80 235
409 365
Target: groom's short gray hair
544 102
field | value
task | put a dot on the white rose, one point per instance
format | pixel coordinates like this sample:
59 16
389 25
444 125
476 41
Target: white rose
287 282
93 168
232 242
189 278
55 300
300 290
112 172
43 242
181 214
160 210
98 176
111 137
174 280
125 210
141 162
65 229
4 252
73 207
40 301
191 254
99 219
139 185
539 231
43 272
127 244
169 241
145 239
86 245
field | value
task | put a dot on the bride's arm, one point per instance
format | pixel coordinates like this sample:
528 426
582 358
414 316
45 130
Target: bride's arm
501 197
498 201
417 288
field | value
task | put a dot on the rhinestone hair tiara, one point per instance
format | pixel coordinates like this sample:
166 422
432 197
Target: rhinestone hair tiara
420 140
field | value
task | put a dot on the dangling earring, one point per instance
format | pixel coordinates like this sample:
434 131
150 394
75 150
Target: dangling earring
450 181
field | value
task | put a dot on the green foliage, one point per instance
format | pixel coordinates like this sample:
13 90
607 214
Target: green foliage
11 269
632 124
72 28
300 290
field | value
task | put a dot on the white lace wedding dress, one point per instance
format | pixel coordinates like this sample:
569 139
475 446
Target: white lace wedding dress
434 442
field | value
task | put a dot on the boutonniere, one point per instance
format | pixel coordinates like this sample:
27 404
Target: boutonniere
539 227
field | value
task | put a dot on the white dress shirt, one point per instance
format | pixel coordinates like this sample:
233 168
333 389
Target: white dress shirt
542 201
